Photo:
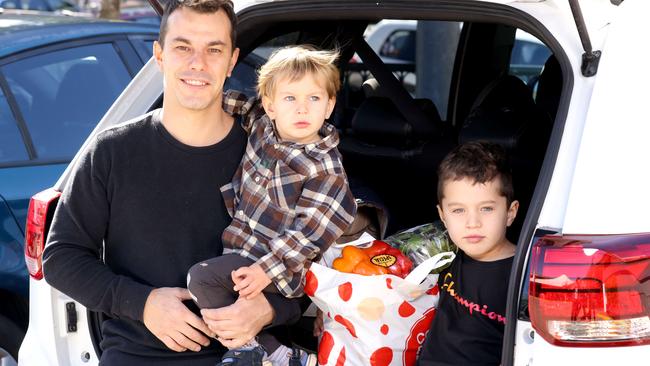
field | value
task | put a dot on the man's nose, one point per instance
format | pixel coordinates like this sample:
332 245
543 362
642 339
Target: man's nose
197 61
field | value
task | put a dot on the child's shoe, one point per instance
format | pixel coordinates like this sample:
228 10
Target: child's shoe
243 357
302 358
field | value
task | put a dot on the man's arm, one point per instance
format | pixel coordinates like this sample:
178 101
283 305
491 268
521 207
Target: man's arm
72 263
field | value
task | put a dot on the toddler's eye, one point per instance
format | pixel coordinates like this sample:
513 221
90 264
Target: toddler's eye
314 98
289 98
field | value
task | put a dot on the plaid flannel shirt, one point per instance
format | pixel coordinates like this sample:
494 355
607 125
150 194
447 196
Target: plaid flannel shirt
289 202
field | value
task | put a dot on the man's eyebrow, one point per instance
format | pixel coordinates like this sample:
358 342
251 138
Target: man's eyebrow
210 44
181 39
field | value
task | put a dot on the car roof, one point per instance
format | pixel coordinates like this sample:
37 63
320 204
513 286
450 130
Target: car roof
22 31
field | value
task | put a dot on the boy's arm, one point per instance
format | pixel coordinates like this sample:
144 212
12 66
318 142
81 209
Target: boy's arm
237 103
324 210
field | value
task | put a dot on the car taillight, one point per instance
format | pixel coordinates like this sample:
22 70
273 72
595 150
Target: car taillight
39 215
591 291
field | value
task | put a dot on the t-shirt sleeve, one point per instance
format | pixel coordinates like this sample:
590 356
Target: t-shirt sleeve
71 261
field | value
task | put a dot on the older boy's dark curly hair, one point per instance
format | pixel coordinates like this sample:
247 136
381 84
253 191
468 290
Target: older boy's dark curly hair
203 7
479 161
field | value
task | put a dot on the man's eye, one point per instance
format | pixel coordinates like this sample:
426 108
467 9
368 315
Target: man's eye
215 50
182 48
314 98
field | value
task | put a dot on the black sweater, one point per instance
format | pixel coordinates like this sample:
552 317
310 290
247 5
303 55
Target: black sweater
156 204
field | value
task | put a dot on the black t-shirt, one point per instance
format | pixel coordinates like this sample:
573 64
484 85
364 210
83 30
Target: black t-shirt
468 326
156 204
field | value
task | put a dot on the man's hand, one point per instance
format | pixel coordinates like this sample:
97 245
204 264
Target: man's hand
172 322
250 281
238 323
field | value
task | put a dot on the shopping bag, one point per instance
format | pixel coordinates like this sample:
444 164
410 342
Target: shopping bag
374 320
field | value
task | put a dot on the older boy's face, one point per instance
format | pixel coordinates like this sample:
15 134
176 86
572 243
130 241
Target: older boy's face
196 59
476 217
299 108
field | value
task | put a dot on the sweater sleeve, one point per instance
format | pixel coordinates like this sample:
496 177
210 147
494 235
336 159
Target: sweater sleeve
72 259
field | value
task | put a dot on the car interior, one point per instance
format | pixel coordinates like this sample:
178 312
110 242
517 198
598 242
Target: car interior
393 136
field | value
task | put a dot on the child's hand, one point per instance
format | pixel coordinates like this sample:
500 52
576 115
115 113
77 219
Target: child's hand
250 281
318 323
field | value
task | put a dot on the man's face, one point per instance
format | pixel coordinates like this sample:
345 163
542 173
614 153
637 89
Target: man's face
196 59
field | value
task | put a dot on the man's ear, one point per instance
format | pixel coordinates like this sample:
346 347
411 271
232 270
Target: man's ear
441 214
233 61
268 107
512 212
157 54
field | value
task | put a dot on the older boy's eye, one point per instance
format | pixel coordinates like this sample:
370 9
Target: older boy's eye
487 209
457 211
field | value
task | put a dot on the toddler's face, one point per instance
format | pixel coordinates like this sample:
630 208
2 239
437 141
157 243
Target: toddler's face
476 216
299 108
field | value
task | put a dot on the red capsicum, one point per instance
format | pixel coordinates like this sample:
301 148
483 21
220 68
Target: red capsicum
379 258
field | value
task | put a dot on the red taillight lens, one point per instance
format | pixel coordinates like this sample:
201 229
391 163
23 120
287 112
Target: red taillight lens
41 209
591 291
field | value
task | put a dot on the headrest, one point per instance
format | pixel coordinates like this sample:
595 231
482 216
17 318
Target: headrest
549 87
504 113
379 121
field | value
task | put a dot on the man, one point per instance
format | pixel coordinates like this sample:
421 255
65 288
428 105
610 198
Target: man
144 205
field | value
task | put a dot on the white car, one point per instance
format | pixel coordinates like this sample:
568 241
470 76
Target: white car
580 284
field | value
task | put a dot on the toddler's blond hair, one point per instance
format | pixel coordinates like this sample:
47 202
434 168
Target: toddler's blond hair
294 62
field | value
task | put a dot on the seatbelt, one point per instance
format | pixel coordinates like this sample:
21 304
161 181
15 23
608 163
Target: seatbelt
402 99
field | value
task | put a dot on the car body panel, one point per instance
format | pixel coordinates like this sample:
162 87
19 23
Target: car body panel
597 204
32 36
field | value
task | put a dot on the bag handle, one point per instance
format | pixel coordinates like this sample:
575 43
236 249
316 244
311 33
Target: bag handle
419 273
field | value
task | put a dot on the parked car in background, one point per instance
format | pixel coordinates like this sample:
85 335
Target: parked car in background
42 5
578 141
58 76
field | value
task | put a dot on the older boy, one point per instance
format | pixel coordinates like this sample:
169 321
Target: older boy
476 204
289 199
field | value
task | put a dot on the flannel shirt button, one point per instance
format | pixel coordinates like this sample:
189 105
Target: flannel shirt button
241 212
257 179
276 146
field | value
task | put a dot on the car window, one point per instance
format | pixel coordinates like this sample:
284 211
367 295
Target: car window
528 57
400 45
11 142
66 92
244 75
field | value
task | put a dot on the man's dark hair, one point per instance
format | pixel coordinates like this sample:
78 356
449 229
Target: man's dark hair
203 7
479 161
